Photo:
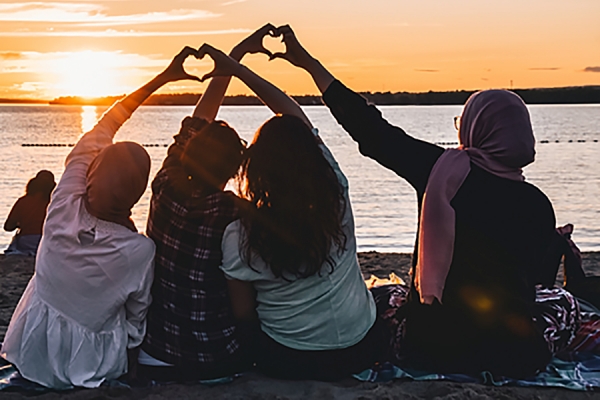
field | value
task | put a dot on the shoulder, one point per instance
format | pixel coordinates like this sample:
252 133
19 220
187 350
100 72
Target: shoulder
21 202
140 249
226 203
538 200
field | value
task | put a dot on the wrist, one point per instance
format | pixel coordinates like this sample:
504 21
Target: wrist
237 54
310 63
161 79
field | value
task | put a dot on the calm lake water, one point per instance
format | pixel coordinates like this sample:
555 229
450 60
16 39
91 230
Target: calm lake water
384 205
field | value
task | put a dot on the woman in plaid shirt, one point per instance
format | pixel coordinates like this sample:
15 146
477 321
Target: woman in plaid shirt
192 333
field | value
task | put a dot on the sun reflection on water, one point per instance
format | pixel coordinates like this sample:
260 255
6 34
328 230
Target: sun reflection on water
89 116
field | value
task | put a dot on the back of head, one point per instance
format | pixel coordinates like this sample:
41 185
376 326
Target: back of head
116 180
299 200
42 184
498 123
213 155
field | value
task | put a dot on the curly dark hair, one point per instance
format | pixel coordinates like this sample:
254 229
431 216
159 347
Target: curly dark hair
298 200
213 155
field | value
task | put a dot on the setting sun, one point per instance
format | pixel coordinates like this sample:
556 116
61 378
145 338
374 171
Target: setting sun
86 74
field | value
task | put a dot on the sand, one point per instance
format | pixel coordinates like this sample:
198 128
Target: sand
16 271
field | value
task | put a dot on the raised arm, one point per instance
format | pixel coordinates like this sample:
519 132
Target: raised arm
208 105
298 56
273 97
74 178
377 138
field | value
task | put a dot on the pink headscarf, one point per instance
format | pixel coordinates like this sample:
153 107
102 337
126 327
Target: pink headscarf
496 135
116 179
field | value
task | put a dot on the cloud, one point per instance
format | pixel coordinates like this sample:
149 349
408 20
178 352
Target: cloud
88 14
228 3
37 62
10 55
544 69
591 69
427 70
117 33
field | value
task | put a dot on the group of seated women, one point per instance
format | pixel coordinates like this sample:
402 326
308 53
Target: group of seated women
268 279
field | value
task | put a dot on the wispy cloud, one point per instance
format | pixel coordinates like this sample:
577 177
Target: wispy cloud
10 55
88 14
120 33
361 63
427 70
591 69
228 3
38 62
544 69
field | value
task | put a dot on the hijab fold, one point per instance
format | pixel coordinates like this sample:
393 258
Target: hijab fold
116 180
495 135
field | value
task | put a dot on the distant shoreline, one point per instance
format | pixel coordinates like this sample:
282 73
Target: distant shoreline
562 95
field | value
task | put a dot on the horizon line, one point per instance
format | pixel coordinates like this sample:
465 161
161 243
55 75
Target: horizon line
26 100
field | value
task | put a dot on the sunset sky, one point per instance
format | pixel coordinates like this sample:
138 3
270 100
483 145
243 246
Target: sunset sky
93 48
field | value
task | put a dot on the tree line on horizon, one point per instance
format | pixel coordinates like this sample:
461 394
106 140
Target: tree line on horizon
564 95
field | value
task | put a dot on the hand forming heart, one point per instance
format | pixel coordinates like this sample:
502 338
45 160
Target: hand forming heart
254 43
175 71
224 65
294 52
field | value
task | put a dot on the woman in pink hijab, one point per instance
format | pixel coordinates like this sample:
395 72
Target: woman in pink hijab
86 305
483 230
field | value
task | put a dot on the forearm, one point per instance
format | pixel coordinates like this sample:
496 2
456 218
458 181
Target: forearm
320 75
135 99
389 145
272 96
212 98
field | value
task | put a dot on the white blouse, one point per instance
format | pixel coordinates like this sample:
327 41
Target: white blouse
87 301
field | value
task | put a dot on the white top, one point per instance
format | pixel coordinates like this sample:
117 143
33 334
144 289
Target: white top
86 303
325 311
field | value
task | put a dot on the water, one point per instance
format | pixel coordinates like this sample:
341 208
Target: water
384 205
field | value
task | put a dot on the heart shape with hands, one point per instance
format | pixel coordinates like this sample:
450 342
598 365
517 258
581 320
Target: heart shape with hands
253 44
175 71
225 65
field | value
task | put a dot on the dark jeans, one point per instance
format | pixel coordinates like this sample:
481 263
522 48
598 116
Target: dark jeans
278 361
240 361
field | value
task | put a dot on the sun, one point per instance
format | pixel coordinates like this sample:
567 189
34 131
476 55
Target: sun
86 74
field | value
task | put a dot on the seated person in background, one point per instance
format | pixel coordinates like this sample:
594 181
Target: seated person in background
483 231
290 260
87 302
28 215
192 332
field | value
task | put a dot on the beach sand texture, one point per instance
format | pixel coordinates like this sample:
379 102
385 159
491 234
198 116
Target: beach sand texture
16 271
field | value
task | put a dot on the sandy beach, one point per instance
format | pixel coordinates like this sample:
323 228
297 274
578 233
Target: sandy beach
16 272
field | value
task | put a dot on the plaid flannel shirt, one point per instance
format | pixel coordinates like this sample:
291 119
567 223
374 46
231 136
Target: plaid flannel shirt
190 322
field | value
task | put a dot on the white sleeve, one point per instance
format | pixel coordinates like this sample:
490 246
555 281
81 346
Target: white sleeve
332 161
233 266
138 303
73 180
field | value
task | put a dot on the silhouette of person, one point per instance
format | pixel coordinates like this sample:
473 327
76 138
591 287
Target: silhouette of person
28 214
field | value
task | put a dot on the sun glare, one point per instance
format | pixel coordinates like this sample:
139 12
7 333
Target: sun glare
89 117
87 74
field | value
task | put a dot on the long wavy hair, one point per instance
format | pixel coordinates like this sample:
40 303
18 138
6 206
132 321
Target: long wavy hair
298 201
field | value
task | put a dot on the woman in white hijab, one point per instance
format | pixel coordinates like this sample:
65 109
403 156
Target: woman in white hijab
86 304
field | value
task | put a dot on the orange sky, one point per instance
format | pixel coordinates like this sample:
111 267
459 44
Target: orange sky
76 47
